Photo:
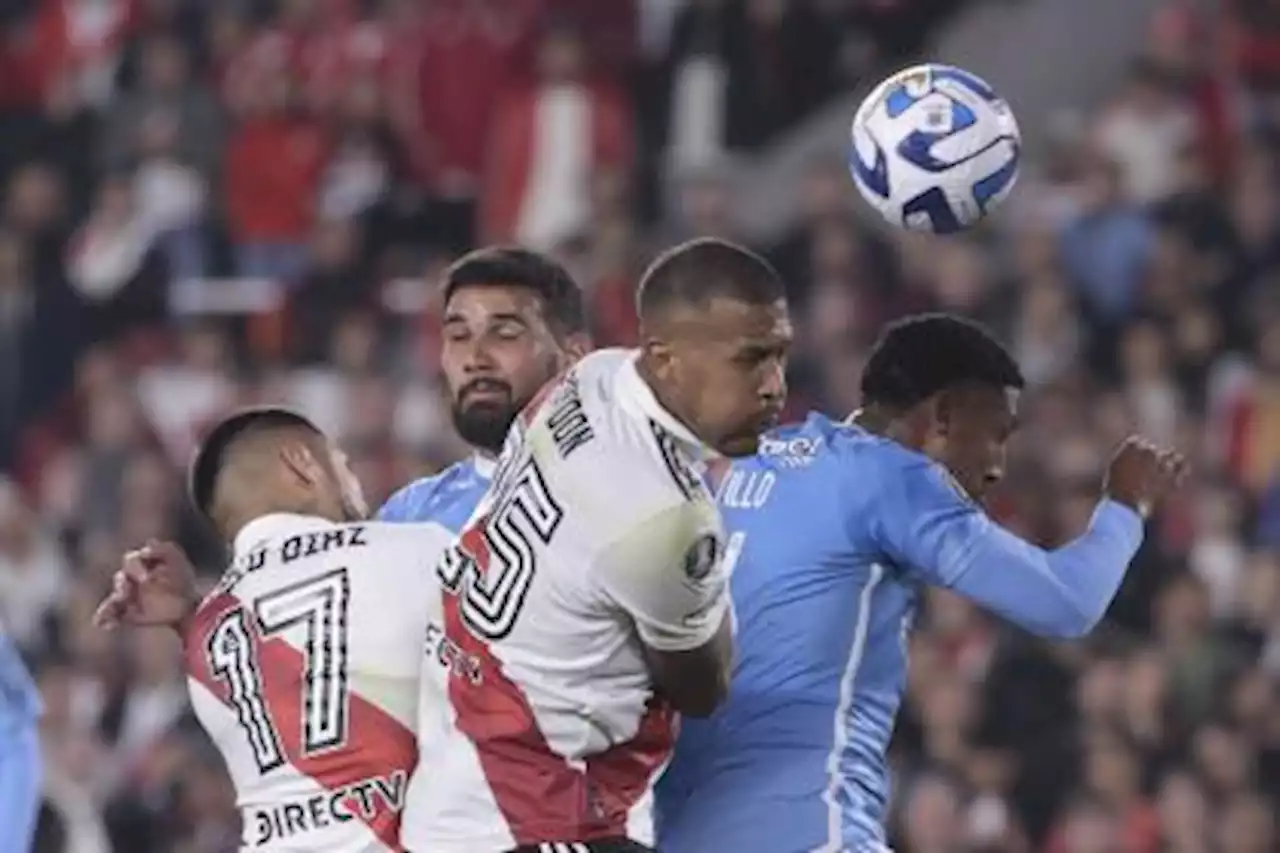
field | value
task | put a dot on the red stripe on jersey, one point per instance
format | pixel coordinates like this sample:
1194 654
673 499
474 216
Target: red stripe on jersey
540 795
530 411
377 743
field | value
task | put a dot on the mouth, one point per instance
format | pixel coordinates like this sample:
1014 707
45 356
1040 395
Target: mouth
485 392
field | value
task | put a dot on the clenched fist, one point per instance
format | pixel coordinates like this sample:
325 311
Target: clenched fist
1141 475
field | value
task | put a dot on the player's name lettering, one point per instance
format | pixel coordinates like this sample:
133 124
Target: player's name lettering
452 657
363 799
321 542
568 423
303 545
746 490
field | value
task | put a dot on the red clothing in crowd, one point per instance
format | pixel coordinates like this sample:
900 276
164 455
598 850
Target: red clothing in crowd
1139 831
513 154
273 168
1253 436
64 36
464 58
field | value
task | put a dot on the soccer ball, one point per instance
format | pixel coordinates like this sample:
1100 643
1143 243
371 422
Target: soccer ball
934 149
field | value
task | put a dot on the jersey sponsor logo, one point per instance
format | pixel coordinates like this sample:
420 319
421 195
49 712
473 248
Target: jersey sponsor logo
701 558
365 799
456 660
793 452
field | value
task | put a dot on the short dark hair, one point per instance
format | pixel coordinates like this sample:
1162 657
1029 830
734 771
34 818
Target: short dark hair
212 454
562 299
695 272
918 356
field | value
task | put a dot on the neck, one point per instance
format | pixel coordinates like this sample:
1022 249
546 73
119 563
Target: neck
663 396
879 419
232 523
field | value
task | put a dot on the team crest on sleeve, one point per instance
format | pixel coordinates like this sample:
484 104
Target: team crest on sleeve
702 557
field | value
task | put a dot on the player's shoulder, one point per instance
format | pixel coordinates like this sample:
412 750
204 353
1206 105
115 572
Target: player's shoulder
868 453
603 438
423 498
284 551
880 475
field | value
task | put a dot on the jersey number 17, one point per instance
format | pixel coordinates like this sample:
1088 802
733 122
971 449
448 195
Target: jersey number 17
319 606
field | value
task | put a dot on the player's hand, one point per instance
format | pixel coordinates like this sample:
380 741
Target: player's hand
1141 475
155 586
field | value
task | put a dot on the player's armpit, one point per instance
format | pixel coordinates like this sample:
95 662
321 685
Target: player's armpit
667 575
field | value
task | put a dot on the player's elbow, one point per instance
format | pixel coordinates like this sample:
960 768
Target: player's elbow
1072 621
695 681
701 699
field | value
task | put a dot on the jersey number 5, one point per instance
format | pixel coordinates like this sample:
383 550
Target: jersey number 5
318 608
492 585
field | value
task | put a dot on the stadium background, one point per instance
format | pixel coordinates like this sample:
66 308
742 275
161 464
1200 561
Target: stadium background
207 204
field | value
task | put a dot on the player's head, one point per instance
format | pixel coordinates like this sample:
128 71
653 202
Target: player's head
952 390
513 319
715 332
264 460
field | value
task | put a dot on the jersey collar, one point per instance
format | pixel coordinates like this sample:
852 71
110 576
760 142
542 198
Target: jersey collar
636 395
484 466
274 524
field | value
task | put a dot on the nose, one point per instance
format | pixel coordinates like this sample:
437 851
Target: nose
477 359
774 389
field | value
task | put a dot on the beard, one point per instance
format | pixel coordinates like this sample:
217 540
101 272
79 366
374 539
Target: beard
484 425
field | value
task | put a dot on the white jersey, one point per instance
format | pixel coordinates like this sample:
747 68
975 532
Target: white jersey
303 667
596 539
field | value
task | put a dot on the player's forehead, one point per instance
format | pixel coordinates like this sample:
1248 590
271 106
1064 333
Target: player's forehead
745 324
994 405
470 303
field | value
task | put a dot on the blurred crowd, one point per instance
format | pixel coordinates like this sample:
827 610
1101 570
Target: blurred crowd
205 205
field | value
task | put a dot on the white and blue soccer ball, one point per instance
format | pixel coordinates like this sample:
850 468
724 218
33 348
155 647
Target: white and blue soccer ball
934 149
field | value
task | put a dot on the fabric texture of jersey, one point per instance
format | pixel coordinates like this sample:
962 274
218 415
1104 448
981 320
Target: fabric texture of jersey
448 499
20 705
303 667
20 765
832 534
595 537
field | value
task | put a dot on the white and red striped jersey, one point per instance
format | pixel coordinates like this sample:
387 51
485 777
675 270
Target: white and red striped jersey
596 539
303 667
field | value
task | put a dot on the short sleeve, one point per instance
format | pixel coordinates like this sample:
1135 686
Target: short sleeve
667 574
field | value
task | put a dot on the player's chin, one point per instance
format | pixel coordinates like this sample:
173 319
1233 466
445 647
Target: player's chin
739 445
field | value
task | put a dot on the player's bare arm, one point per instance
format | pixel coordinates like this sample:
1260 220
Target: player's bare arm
668 576
155 586
695 682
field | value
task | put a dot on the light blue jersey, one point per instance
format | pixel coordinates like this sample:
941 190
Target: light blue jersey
19 750
833 534
448 498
